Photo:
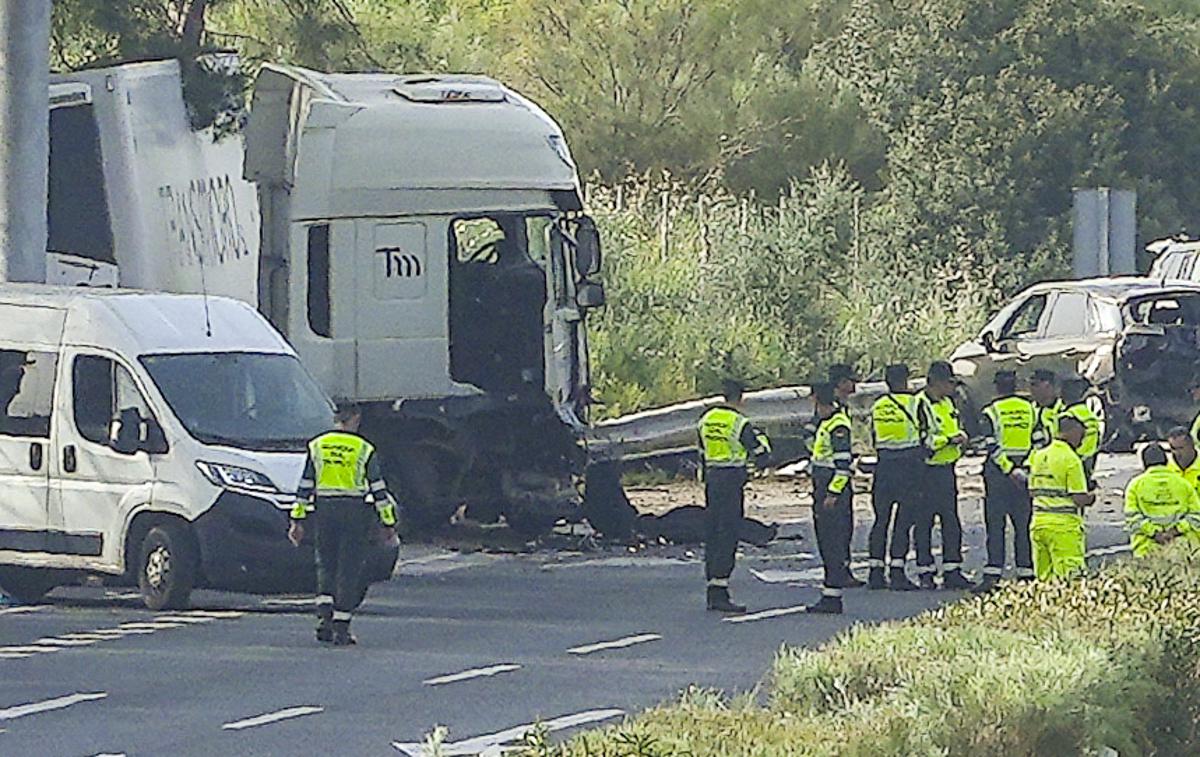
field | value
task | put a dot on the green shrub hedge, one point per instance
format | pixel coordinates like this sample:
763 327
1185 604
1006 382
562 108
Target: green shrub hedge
1109 662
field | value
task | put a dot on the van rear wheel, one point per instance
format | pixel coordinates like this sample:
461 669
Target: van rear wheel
167 567
27 585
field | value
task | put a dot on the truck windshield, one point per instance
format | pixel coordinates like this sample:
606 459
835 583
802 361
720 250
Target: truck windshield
253 401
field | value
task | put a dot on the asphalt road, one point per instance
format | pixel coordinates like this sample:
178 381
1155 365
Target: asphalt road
92 673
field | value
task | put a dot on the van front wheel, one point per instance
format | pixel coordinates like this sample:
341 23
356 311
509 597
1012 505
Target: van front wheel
167 567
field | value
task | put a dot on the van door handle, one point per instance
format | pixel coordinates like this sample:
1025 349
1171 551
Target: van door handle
36 456
70 463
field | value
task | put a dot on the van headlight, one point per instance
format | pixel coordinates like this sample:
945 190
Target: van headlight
235 477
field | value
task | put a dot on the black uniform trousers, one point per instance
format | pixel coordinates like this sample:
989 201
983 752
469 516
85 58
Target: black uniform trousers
1006 502
343 534
941 503
895 496
724 501
834 527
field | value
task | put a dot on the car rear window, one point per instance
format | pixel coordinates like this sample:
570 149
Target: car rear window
1166 310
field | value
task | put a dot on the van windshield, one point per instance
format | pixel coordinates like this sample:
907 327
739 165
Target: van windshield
253 401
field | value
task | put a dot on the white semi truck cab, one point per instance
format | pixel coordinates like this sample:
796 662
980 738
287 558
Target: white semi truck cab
420 241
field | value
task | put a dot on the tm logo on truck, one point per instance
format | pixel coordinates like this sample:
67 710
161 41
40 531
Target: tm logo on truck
400 264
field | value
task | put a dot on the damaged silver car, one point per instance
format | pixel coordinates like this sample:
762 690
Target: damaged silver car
1137 341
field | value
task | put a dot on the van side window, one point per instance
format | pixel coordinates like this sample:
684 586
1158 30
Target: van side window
102 390
318 280
26 392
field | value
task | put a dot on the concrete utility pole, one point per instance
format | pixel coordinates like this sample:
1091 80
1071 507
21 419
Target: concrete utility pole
24 137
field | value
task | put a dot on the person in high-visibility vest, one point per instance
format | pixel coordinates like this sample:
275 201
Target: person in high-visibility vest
1009 424
844 380
1160 505
1074 400
343 491
728 443
1184 459
1060 493
900 426
1043 387
946 440
833 496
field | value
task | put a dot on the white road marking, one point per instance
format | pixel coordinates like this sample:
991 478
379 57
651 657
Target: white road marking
1113 550
92 636
14 655
62 642
58 703
214 614
30 649
491 743
620 562
272 717
787 576
181 619
628 641
123 595
290 602
20 609
467 675
778 612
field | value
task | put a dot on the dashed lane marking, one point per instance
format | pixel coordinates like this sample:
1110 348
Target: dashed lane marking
214 614
492 743
87 638
58 703
63 642
21 609
778 612
189 619
290 602
628 641
150 626
29 649
468 675
1113 550
272 717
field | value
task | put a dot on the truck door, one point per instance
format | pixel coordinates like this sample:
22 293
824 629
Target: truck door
96 487
28 363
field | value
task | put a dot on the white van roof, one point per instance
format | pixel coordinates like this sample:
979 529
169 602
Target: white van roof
143 323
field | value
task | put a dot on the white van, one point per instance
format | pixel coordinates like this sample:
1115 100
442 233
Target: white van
154 437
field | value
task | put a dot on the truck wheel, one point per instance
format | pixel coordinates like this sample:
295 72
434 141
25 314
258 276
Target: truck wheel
167 567
26 585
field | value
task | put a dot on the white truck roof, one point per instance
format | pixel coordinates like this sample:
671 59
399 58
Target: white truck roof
387 132
142 323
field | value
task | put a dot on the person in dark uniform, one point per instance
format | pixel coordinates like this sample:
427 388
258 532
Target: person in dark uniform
341 481
728 444
831 469
844 380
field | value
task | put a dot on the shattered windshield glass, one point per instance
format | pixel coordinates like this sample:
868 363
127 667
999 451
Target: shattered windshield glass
248 400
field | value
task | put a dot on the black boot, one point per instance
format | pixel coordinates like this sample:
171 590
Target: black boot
927 582
341 634
719 601
850 581
956 580
875 580
324 625
898 581
826 605
987 585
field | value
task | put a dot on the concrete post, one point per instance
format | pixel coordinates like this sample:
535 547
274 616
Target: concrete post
24 138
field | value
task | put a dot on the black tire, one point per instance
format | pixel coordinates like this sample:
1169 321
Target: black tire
167 567
27 585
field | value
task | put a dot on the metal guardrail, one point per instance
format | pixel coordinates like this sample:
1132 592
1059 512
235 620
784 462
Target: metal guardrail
785 414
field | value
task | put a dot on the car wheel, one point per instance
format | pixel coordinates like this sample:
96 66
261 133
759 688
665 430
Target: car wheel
27 585
167 567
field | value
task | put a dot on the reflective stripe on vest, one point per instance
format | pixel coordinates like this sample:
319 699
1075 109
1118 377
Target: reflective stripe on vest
721 438
340 462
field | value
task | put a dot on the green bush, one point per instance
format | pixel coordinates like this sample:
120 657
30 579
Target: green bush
1110 661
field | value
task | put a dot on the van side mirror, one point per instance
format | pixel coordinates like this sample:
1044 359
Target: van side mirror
988 340
154 439
587 248
125 432
589 295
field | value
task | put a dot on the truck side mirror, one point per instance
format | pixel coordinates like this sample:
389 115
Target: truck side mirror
589 295
587 248
125 432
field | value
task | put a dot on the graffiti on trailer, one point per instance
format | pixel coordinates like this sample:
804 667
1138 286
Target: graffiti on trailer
202 217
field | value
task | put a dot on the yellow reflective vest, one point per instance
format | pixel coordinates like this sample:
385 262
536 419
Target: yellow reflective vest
1010 427
1055 474
729 440
945 427
1158 500
831 450
899 422
342 464
1091 428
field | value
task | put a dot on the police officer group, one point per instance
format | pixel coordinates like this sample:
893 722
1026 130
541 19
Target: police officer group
1041 449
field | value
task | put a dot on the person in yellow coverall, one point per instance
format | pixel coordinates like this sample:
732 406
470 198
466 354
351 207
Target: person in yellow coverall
1059 488
1160 505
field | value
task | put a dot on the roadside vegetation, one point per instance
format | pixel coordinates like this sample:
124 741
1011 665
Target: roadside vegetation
780 186
1107 663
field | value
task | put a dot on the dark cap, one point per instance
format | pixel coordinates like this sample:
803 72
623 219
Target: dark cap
346 409
1070 420
1043 374
839 372
940 370
824 394
1005 377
